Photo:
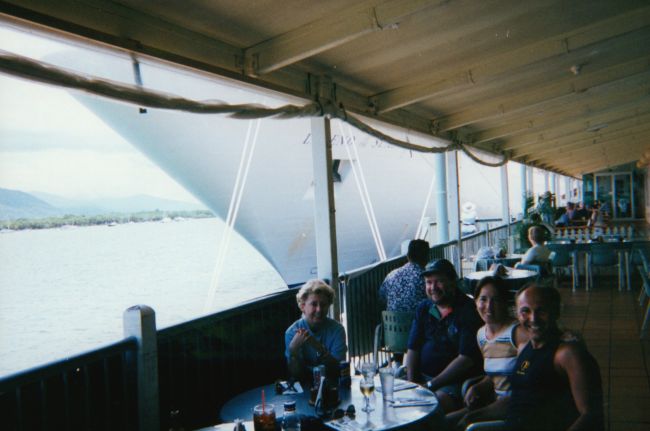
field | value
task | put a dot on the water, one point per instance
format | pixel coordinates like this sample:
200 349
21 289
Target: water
63 291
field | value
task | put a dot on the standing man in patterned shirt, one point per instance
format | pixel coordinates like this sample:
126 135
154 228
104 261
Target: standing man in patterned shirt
403 288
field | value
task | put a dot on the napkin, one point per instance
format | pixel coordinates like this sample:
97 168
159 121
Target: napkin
400 386
293 389
413 402
345 424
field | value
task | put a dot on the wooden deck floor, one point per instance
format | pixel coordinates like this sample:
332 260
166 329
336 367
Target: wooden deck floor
610 322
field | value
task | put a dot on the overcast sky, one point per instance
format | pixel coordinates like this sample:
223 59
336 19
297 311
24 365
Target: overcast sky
49 142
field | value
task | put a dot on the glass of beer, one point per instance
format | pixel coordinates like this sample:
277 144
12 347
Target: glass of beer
367 384
264 417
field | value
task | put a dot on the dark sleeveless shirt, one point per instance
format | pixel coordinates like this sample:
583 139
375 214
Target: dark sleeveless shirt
541 398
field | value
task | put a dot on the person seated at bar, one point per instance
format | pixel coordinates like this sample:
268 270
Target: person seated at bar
556 385
499 340
538 254
598 216
314 339
581 214
565 219
442 348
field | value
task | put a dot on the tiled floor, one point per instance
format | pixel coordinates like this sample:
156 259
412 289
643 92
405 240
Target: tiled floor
610 321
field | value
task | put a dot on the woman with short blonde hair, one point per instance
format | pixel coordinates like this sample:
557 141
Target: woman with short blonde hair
314 339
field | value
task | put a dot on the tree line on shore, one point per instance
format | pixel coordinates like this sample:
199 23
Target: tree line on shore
102 219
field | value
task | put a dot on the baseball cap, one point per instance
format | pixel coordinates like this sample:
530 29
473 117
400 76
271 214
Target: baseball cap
441 266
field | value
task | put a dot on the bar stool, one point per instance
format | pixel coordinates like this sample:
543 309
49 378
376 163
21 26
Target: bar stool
602 255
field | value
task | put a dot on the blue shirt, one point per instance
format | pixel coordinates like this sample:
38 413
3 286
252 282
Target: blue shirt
440 340
330 334
403 288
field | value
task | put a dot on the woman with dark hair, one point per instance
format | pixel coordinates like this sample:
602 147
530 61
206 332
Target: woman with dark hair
498 340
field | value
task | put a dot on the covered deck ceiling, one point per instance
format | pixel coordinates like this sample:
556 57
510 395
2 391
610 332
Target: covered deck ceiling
560 85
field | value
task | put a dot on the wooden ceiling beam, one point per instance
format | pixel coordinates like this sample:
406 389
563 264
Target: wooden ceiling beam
627 128
627 144
634 151
111 24
589 81
609 162
617 120
462 20
626 141
570 113
562 68
558 45
558 149
329 32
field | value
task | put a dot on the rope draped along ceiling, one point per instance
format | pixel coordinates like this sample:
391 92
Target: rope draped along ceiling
557 85
48 74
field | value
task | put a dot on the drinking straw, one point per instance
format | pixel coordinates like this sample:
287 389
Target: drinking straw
263 402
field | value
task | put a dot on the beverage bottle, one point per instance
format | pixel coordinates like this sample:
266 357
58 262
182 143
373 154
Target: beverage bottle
290 419
175 422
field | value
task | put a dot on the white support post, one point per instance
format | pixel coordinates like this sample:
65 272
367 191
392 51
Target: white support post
505 196
547 183
553 189
581 198
524 188
452 195
568 191
454 187
531 180
140 322
442 218
324 209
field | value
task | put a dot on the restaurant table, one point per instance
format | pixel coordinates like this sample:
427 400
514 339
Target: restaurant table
623 248
485 263
384 417
228 426
515 278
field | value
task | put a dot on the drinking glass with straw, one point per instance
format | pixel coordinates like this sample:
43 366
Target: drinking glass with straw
264 416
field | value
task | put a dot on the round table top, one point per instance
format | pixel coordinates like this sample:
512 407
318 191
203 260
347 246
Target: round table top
228 426
384 417
485 262
513 274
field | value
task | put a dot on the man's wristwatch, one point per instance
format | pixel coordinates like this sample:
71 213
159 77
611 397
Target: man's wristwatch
429 385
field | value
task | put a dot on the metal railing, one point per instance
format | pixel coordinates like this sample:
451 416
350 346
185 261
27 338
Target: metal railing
200 363
360 288
94 390
204 362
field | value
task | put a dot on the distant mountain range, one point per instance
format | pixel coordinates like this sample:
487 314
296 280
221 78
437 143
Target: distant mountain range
15 204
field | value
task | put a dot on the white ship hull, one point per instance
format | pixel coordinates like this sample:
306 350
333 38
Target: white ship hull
276 213
203 153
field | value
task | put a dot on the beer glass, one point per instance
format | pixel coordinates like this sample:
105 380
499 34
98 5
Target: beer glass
367 384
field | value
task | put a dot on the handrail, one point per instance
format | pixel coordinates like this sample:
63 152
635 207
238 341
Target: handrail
51 369
196 358
360 290
249 305
97 389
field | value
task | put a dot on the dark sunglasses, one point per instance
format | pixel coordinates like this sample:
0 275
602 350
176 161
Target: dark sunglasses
349 412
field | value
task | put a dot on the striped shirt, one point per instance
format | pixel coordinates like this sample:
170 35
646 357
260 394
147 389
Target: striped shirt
499 357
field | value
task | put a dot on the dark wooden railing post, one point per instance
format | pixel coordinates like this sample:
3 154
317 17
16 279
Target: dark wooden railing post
140 322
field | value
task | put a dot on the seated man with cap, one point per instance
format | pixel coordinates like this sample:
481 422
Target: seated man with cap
442 347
